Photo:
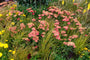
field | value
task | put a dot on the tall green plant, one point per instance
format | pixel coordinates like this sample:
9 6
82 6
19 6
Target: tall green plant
80 43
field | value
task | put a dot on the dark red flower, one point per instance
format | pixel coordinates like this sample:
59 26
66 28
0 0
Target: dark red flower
50 48
33 13
18 18
86 35
29 56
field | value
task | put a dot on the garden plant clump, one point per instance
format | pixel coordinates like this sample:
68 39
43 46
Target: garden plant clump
50 33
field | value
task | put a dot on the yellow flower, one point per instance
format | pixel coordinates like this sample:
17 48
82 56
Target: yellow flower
16 13
73 0
62 2
0 33
84 11
5 45
6 40
13 52
3 31
13 23
10 14
10 51
11 59
86 2
88 6
14 5
11 7
1 54
82 54
85 48
1 44
21 20
0 15
23 15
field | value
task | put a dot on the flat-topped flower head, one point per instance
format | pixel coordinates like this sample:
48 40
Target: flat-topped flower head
1 15
22 26
44 25
27 39
33 19
36 38
63 32
30 25
65 27
5 45
1 54
13 28
65 19
70 44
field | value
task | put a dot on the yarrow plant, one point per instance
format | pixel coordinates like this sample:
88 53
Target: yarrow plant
63 25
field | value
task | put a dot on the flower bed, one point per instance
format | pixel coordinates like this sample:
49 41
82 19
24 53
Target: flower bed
50 34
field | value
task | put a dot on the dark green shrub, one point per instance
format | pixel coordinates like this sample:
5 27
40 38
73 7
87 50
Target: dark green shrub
34 3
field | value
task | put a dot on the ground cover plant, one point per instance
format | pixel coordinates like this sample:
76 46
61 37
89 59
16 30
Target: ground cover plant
50 33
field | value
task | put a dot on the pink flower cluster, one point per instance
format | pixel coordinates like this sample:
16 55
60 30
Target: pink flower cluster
73 36
43 34
4 4
16 12
32 11
45 12
65 19
71 28
13 29
63 32
77 22
76 4
27 39
56 34
34 33
56 24
56 30
33 19
44 25
22 26
30 25
70 44
19 12
65 27
18 18
81 29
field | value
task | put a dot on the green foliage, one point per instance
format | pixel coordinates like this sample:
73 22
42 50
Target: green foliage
33 3
21 53
80 43
44 48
